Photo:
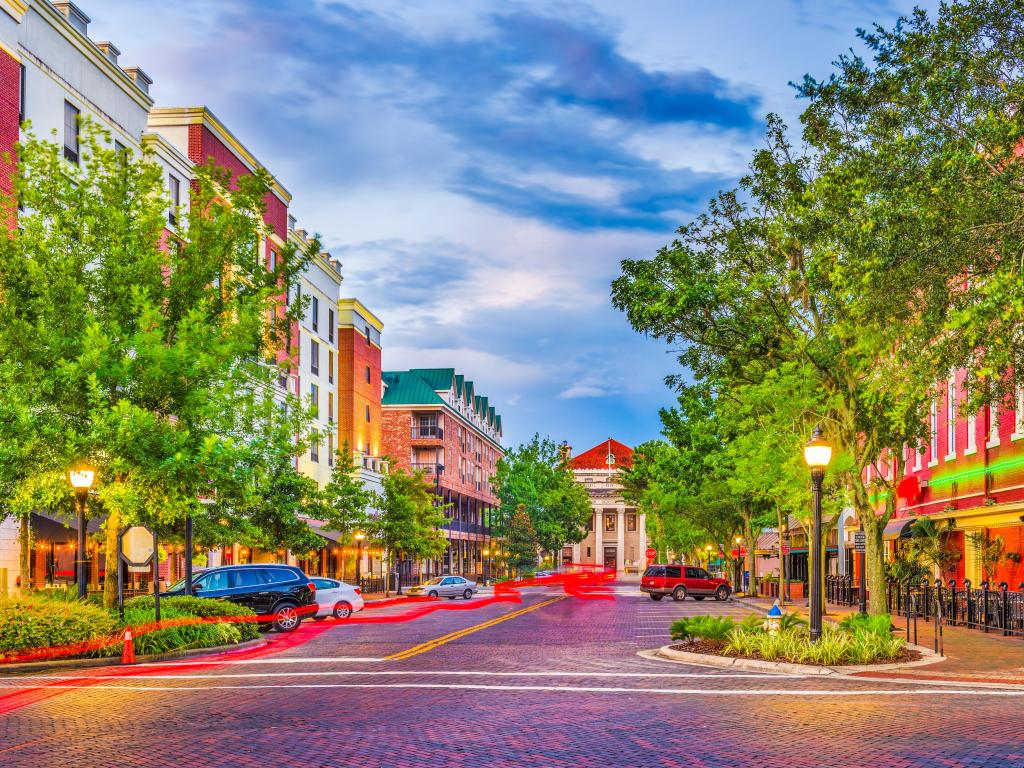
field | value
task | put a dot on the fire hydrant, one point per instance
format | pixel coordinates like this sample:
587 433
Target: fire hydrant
773 623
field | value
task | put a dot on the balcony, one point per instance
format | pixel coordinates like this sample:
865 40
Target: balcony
430 470
428 433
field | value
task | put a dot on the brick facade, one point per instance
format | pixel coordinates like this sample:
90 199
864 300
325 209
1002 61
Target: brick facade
10 105
357 395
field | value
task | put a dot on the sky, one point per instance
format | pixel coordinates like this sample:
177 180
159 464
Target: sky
482 168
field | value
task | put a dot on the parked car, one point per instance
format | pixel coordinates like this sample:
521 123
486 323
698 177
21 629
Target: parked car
544 574
336 598
682 580
445 586
283 591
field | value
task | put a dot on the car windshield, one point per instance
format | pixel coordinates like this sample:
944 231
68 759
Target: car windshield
436 580
180 584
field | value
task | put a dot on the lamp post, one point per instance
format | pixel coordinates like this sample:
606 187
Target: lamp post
359 555
739 568
817 454
487 565
81 478
708 550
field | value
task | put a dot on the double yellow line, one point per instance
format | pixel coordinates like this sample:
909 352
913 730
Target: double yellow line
431 644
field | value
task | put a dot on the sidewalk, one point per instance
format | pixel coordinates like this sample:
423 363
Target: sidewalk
972 656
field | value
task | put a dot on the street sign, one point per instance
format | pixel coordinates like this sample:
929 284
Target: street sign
785 549
137 547
859 541
651 553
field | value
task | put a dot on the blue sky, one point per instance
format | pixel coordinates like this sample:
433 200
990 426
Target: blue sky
482 168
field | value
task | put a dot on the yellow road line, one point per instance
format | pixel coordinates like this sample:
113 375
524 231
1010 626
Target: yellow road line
431 644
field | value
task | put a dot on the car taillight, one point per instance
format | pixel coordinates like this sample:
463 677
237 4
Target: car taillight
312 586
358 590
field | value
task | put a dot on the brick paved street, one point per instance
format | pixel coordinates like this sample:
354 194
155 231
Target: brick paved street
558 685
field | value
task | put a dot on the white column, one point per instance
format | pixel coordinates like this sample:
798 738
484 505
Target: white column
576 553
642 527
620 539
599 537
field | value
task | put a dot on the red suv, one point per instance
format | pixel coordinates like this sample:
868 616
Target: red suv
682 580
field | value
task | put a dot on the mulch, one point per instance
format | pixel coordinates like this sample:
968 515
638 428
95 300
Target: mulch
717 648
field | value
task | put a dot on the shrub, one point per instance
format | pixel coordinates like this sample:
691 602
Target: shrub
174 638
705 627
835 646
879 623
203 608
34 621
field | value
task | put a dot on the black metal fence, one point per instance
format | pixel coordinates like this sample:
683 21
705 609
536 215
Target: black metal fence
370 586
842 590
990 610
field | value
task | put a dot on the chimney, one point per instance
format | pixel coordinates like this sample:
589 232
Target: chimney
109 50
565 450
302 234
292 221
75 16
140 78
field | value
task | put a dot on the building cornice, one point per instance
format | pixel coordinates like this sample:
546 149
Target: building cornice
355 305
14 8
163 117
447 409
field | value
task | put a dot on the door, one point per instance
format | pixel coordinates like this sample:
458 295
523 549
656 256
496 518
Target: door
250 590
610 560
213 584
447 587
699 581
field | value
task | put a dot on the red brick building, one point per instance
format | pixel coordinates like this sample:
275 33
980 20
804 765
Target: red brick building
435 422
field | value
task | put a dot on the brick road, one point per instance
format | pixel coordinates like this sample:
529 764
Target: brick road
561 685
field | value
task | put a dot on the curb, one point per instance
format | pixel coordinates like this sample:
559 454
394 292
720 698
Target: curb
114 661
667 653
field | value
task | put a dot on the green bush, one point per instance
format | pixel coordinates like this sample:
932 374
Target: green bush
704 627
35 621
200 607
878 623
835 646
175 638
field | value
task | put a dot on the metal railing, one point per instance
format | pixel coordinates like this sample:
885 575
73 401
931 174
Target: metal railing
429 469
842 590
371 585
999 610
428 433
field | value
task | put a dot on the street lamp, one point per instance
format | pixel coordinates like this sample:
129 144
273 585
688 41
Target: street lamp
817 454
487 565
708 550
739 568
81 478
359 555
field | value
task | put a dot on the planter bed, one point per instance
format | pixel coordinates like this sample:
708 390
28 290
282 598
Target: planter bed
717 648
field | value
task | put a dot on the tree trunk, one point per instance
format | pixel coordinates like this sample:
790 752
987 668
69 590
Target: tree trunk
874 561
111 561
25 554
751 538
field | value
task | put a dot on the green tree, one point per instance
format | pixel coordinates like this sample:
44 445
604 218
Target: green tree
345 500
521 541
410 517
129 350
536 476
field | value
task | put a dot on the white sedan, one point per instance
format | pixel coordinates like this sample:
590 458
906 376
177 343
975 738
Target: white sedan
445 586
336 598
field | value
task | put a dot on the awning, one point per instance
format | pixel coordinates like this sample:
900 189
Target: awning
898 529
319 530
53 528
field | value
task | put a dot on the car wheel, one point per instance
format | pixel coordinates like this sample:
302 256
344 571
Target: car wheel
467 594
698 597
656 597
432 593
287 618
679 593
342 610
722 593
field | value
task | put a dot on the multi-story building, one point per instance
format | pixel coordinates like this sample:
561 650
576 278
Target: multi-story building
970 471
616 533
360 388
435 422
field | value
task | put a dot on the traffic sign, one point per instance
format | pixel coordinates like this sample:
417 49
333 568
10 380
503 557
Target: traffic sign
137 546
785 549
859 541
651 553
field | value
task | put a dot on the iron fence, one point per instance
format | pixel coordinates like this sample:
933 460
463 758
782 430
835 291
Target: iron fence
371 585
842 590
999 610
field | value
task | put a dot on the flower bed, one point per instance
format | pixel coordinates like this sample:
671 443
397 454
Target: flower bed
858 640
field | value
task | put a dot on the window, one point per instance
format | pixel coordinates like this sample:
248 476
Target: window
993 426
588 551
368 379
330 450
673 572
590 527
314 396
367 412
951 419
21 93
245 577
934 434
330 324
330 407
609 521
972 429
330 366
71 132
314 447
1018 416
315 311
272 261
631 522
917 458
367 334
174 190
314 357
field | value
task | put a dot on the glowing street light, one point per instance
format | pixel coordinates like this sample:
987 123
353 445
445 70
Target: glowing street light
81 478
817 454
359 555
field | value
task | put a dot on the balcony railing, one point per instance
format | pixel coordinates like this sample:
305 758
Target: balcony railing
427 433
430 470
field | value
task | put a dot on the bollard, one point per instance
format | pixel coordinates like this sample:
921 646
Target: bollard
925 597
1004 588
970 604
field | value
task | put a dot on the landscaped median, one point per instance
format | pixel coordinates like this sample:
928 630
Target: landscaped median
44 626
861 643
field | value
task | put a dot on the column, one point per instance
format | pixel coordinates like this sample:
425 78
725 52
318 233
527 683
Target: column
599 537
620 538
641 526
576 553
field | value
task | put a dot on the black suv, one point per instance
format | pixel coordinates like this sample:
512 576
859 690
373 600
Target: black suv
281 591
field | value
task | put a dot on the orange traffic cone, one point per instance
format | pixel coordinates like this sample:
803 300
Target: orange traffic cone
128 650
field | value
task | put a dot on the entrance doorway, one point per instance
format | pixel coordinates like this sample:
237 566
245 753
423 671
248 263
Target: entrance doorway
609 557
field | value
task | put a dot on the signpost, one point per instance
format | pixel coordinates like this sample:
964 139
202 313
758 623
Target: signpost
859 541
137 550
651 554
859 546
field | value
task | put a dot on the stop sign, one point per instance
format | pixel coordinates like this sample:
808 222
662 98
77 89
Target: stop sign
137 546
651 553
